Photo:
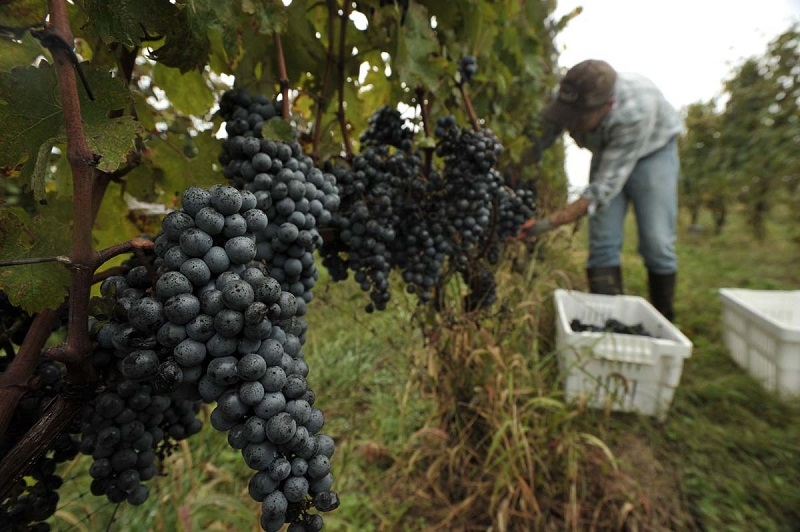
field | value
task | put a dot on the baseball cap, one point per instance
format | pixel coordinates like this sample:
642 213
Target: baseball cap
584 88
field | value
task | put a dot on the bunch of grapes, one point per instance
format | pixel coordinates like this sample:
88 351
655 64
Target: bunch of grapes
253 368
214 327
296 196
611 325
472 186
133 422
397 213
387 128
374 191
214 315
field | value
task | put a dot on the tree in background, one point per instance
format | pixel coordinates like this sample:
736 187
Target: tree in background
703 184
745 152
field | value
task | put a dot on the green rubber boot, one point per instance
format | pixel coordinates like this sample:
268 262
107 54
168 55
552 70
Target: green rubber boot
662 292
605 280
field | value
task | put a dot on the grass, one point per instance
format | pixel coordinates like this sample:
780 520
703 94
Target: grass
443 422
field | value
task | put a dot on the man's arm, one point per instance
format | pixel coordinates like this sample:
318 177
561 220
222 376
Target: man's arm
547 138
568 214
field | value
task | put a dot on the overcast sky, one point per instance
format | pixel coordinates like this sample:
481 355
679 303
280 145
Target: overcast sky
687 47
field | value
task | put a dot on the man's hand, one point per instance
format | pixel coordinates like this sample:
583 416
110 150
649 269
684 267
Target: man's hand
533 228
568 214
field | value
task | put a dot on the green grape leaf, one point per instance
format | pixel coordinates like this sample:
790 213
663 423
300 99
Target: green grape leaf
22 13
267 15
188 92
277 129
307 52
61 185
31 115
187 45
110 130
32 119
34 287
414 58
124 21
115 221
21 52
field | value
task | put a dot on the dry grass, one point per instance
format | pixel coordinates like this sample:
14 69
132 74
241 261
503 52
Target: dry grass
502 450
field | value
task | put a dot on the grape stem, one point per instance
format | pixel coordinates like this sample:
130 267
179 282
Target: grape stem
345 16
284 81
136 245
473 118
322 98
63 259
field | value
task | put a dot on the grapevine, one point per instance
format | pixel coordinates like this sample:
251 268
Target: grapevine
211 314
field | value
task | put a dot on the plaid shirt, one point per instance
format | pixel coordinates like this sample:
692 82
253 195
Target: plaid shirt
640 122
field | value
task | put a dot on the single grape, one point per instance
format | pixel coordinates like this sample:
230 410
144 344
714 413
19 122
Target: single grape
194 199
182 308
195 242
226 199
175 222
240 249
280 428
210 220
189 352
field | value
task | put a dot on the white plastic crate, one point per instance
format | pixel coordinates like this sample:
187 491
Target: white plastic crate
623 372
761 329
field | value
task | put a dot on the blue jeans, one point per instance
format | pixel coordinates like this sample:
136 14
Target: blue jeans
652 188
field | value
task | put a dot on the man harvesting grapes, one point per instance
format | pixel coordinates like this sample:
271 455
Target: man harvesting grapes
631 130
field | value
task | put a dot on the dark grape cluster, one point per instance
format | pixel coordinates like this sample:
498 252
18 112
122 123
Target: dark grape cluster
30 503
399 212
204 322
472 186
388 128
139 414
467 67
482 288
611 325
375 191
239 336
296 196
263 398
516 208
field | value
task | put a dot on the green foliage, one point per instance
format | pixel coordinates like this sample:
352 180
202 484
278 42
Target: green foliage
36 286
189 92
21 14
33 122
22 52
31 116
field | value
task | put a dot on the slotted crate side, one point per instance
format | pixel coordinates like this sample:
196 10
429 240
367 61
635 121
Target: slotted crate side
620 386
761 330
622 372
